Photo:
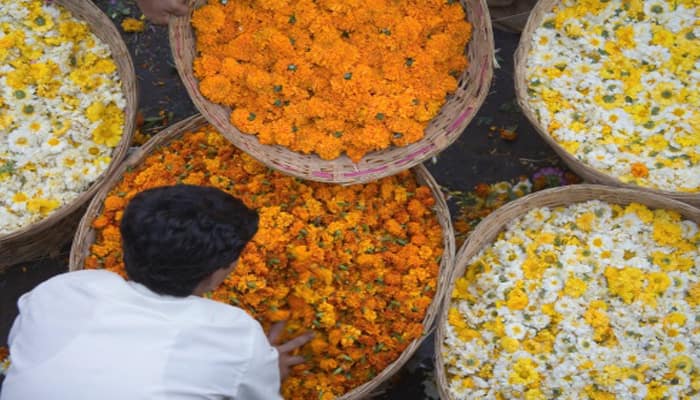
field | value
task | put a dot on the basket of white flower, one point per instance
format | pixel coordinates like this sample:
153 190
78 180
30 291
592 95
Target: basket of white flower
612 86
580 290
67 114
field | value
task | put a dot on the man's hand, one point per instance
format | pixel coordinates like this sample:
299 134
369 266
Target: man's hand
286 360
158 11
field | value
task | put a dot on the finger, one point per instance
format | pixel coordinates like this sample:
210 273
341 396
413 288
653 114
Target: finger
178 7
294 360
275 331
295 343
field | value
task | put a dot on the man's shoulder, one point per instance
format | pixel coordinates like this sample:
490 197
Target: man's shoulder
84 280
210 312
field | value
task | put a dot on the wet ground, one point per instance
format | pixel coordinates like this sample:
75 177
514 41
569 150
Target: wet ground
499 144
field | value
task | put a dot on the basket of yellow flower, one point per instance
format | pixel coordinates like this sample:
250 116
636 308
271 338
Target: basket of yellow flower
67 112
612 86
579 290
364 266
341 92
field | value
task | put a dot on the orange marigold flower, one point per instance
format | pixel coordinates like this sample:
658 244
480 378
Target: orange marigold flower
114 203
208 19
100 222
640 170
216 88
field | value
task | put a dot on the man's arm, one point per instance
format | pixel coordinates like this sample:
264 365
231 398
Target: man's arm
158 11
262 380
270 364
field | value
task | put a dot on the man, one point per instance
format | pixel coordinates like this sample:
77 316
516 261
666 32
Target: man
92 335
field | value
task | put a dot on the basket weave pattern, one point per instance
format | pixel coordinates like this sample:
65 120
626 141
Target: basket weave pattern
31 242
85 237
443 130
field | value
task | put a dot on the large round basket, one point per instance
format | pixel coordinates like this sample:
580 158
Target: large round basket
444 129
587 172
48 235
85 237
488 229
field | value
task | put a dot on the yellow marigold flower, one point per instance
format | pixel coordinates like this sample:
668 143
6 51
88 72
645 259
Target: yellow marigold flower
674 319
656 391
517 299
599 320
509 344
658 282
693 297
667 232
585 221
534 394
524 372
626 282
133 25
575 287
42 206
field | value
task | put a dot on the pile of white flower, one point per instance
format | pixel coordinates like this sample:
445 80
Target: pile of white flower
616 83
61 110
587 301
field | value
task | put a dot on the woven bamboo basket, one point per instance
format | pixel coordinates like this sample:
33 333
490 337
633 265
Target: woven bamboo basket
585 171
45 237
444 129
85 237
488 229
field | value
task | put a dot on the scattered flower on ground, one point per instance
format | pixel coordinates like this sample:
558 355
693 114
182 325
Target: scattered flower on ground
61 110
592 300
616 83
486 198
133 25
356 264
330 77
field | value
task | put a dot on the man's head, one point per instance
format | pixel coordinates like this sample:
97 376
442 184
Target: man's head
177 237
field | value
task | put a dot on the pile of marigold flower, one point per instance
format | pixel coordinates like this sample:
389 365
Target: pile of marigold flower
331 77
592 300
616 83
356 264
61 110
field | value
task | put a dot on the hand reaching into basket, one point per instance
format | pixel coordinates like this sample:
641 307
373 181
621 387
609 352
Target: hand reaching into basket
158 11
286 360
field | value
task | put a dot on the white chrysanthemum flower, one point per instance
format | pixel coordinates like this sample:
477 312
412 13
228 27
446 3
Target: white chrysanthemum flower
516 330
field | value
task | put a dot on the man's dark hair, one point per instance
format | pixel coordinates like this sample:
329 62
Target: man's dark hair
175 236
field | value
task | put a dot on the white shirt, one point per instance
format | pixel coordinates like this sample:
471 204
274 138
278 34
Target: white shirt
92 335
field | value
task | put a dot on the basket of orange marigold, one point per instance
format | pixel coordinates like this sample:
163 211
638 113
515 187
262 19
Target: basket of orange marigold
362 265
336 91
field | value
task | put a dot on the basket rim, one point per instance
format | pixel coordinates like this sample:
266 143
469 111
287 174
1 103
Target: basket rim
127 75
498 220
589 173
342 170
84 237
